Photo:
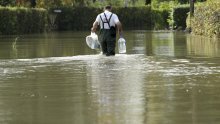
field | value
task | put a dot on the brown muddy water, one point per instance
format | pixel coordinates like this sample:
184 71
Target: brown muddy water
54 78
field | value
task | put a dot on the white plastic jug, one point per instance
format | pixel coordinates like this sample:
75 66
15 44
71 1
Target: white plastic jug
92 41
121 45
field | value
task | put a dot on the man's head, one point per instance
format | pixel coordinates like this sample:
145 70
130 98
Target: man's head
108 7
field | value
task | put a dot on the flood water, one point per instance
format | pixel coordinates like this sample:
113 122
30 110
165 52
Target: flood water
54 78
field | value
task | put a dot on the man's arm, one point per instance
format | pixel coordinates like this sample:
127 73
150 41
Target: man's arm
119 27
94 27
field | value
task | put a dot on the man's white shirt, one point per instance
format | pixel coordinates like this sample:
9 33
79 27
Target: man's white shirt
113 21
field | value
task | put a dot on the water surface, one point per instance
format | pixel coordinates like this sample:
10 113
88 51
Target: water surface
54 78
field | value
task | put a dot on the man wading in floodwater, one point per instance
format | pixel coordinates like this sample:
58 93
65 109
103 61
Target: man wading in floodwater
108 22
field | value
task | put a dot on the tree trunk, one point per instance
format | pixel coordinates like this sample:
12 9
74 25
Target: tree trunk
191 7
126 3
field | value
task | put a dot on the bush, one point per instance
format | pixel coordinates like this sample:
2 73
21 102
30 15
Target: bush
159 19
8 21
7 2
135 17
82 18
178 15
22 20
78 18
206 20
73 18
183 1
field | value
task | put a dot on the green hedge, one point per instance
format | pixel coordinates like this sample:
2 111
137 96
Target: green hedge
179 16
131 17
82 18
77 18
135 17
7 2
8 21
159 19
206 20
22 20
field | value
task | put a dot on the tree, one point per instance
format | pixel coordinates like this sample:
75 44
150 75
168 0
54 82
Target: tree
33 3
147 2
26 3
7 2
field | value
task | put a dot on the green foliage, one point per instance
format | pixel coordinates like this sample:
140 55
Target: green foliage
163 4
157 3
159 19
74 18
113 2
7 2
22 20
89 3
187 1
206 20
7 20
183 1
139 19
178 16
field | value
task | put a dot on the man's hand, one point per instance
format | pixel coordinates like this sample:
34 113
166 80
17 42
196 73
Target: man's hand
95 26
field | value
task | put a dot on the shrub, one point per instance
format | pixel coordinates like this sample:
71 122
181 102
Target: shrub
7 2
159 19
8 21
81 18
135 17
78 18
22 20
183 1
206 20
178 15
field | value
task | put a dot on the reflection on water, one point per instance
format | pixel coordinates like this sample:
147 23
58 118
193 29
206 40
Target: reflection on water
56 78
203 47
163 44
116 89
44 45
